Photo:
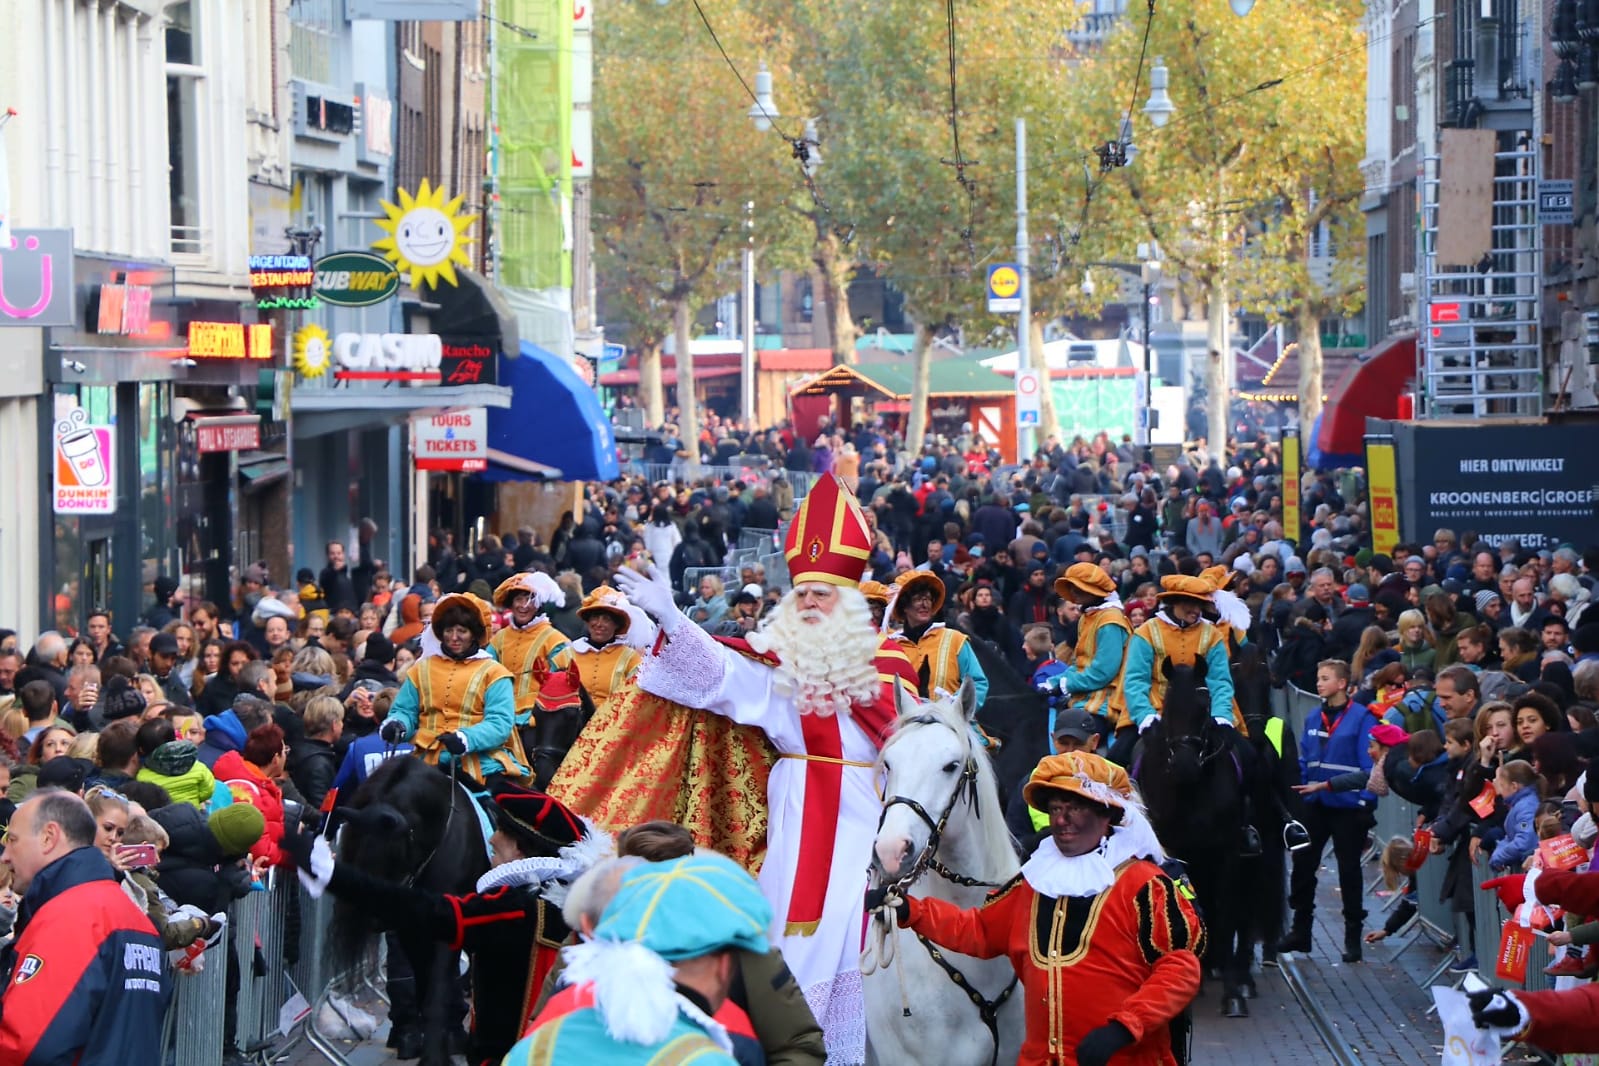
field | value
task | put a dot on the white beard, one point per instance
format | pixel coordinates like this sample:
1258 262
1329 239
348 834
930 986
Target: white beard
827 665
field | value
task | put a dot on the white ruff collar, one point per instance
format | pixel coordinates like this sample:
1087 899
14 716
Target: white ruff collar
532 623
1052 874
1113 600
557 874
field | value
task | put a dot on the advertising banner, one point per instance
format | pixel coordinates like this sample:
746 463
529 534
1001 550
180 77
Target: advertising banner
454 441
1384 494
1531 483
85 466
1293 468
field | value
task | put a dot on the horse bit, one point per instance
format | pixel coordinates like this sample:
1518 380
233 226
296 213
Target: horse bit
987 1009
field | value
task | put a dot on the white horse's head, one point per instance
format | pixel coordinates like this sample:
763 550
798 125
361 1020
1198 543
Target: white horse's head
936 777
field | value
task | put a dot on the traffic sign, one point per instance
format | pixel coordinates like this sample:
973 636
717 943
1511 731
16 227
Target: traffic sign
1004 289
1557 202
1029 384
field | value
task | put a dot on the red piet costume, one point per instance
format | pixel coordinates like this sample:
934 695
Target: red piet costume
1566 1022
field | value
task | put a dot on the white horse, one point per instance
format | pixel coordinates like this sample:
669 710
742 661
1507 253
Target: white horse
942 836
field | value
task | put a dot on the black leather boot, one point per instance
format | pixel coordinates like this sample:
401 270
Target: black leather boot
1298 938
1352 942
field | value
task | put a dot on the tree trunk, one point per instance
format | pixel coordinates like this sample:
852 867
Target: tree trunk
649 384
1048 423
688 422
1218 391
832 268
916 421
1311 386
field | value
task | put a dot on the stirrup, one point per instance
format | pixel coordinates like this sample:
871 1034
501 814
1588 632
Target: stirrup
1249 847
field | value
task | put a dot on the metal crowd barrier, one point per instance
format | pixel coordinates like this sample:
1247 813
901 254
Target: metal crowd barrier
1297 706
281 940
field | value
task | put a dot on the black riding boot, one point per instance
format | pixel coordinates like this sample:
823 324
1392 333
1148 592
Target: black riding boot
1298 938
1351 943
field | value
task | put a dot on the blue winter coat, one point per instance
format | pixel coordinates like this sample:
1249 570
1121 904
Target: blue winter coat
1521 831
1323 756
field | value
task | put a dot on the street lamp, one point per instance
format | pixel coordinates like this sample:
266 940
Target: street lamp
763 110
1160 108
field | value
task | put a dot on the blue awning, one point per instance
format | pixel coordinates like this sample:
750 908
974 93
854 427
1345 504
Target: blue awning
555 427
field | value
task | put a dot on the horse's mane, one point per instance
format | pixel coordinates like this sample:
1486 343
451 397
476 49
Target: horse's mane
998 850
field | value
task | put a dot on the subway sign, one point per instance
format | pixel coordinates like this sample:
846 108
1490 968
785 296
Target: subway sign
355 279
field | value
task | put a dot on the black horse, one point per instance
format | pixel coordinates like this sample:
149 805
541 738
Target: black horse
412 824
1194 785
1273 804
1015 715
555 726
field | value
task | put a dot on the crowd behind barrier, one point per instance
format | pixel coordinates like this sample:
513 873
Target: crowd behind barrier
654 473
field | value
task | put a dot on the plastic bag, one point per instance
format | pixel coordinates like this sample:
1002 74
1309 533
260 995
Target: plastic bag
1420 848
1464 1043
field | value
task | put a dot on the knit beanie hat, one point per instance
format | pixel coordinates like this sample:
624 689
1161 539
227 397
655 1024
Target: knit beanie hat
237 827
120 699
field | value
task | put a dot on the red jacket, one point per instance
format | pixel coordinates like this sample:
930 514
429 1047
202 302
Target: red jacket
249 784
85 983
1565 1023
1134 960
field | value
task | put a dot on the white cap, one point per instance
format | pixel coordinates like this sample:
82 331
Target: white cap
754 590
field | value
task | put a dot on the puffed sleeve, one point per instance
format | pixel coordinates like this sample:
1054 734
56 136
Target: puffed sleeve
1171 939
983 932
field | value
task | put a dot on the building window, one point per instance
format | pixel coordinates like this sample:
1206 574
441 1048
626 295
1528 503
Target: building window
184 75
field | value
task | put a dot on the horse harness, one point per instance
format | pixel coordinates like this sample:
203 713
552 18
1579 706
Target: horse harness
987 1009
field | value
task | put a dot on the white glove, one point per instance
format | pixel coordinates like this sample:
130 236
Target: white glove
1147 724
1228 722
1046 686
653 594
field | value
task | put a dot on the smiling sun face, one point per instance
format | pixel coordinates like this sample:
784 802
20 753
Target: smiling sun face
426 236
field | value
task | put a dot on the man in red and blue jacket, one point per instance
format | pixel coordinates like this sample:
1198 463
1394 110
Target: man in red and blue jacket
84 980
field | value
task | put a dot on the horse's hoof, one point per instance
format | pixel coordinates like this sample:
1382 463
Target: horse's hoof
1235 1006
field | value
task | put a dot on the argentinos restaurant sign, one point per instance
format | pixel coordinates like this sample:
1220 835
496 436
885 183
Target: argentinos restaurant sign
85 466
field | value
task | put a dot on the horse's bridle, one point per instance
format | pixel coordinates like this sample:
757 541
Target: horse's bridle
928 858
966 785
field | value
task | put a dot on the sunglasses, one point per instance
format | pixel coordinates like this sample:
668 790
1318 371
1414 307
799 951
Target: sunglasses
107 791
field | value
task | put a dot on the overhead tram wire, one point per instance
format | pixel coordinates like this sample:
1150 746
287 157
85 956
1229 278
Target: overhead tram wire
960 162
799 145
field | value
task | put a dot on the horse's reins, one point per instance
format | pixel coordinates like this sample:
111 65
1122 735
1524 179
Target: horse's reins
882 952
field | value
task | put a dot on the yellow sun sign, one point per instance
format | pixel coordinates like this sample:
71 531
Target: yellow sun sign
313 353
426 236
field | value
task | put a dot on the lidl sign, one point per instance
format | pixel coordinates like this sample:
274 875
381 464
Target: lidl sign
355 279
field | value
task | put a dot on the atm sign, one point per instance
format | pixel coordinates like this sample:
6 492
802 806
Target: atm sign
355 279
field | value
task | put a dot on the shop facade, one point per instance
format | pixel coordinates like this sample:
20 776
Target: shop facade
127 383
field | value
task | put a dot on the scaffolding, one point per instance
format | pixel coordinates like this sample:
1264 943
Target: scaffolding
1480 354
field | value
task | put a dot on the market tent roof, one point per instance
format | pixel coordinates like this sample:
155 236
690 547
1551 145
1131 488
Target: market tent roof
555 420
1369 389
946 377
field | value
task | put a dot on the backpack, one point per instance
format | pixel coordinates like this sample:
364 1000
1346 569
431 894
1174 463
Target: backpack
1419 718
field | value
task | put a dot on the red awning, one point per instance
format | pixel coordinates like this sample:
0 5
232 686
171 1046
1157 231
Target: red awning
668 375
1369 389
796 359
